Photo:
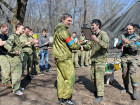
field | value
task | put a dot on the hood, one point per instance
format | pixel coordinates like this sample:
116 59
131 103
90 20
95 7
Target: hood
59 26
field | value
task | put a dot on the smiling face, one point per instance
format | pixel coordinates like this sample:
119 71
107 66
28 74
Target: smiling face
94 27
26 31
67 21
130 29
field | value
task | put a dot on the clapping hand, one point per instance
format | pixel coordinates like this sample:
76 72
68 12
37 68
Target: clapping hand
125 41
94 38
81 48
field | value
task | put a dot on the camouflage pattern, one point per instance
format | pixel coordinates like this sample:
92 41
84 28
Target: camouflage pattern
129 58
62 43
5 70
65 78
35 63
129 69
62 47
85 53
27 60
13 44
89 59
75 54
27 50
85 58
97 77
98 58
75 58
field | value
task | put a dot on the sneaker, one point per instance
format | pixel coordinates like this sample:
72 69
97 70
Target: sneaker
82 66
98 99
18 93
123 91
70 102
61 101
21 88
42 73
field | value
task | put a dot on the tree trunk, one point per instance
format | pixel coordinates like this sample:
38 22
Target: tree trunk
85 12
18 12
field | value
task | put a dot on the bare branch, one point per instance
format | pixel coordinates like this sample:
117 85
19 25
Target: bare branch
7 6
6 16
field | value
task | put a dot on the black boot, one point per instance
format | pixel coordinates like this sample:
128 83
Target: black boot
61 101
98 99
126 89
135 96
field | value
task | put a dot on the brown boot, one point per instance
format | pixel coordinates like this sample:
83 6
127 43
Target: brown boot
9 85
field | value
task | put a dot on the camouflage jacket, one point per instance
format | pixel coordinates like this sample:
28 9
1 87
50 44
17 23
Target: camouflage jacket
75 40
26 48
62 43
81 40
13 44
99 50
130 49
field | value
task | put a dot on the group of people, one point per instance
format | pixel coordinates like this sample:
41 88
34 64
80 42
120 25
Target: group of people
66 46
18 52
85 54
20 49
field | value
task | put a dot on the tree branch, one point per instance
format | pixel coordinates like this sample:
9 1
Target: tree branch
6 16
7 6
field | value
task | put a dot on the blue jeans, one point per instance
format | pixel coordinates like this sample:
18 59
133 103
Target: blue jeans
43 54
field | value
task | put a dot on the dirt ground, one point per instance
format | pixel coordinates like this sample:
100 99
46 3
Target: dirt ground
41 90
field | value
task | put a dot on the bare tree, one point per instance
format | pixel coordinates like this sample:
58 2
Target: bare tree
18 12
85 12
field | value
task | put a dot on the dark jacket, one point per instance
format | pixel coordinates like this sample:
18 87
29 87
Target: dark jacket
3 51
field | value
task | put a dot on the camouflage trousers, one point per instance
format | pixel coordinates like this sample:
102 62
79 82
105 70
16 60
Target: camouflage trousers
89 59
84 58
5 70
129 69
97 77
65 78
35 64
16 71
75 58
27 60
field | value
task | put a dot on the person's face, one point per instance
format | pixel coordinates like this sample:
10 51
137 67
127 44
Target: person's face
31 33
73 35
20 29
4 30
130 29
83 34
94 27
44 33
26 31
67 21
